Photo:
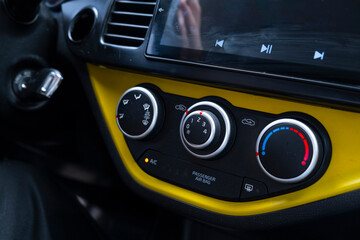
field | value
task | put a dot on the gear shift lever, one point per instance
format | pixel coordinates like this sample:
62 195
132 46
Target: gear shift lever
34 86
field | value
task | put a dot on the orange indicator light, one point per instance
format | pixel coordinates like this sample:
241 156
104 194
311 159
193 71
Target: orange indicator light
146 160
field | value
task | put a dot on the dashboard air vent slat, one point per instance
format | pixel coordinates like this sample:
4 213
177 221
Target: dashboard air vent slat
128 22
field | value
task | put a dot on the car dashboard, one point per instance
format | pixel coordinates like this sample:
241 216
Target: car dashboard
239 114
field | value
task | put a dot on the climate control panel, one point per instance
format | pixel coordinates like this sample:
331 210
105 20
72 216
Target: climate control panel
213 148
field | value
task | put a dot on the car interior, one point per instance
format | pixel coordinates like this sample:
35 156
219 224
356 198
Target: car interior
160 116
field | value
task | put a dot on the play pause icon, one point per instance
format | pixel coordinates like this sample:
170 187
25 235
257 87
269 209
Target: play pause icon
266 48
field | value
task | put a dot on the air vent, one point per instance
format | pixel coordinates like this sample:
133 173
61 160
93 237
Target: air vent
129 22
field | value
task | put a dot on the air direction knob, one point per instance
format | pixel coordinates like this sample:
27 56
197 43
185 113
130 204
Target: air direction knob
139 113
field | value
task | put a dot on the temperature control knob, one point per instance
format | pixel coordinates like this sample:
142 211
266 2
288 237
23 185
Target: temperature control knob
288 150
139 113
206 130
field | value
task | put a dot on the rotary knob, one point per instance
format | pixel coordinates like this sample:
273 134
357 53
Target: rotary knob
139 113
201 129
288 151
206 130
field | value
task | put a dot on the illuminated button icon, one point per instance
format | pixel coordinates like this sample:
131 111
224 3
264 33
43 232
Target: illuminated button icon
125 101
121 115
180 107
267 49
146 106
248 122
151 161
319 55
219 43
161 10
154 161
147 115
137 97
248 187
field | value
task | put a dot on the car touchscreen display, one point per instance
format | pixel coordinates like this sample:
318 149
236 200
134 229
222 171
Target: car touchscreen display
314 37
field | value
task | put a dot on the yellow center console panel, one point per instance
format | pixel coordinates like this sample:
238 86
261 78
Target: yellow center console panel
341 176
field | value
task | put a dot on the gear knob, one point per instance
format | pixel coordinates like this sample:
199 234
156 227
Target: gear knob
37 86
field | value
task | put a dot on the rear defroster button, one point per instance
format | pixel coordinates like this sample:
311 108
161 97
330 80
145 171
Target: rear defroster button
253 189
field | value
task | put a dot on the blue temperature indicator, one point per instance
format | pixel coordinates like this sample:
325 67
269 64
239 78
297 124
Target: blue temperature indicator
268 137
